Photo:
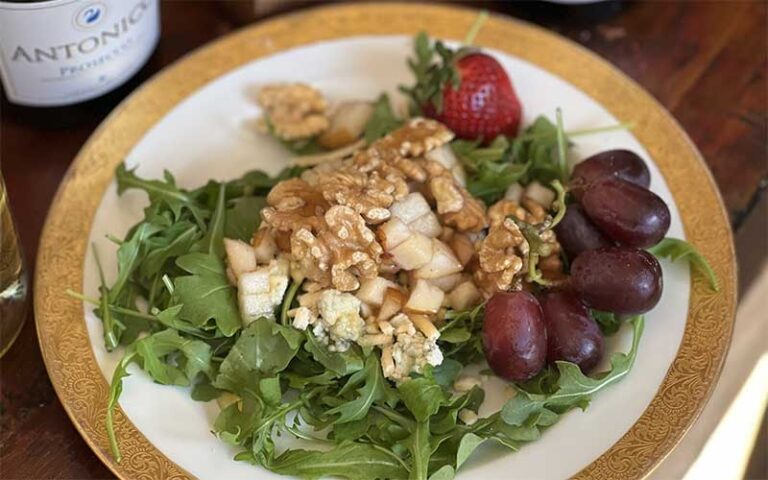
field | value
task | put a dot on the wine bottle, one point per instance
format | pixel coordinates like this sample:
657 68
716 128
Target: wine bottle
56 53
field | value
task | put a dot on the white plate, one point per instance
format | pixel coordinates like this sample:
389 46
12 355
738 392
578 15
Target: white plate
210 135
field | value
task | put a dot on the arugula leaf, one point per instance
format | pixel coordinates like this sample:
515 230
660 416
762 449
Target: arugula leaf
203 391
353 461
167 244
457 323
562 160
574 388
244 217
257 183
340 363
153 350
383 120
473 155
445 373
446 472
444 422
263 349
539 145
115 389
112 328
207 294
422 396
676 249
490 169
608 322
129 256
270 390
374 389
467 445
160 192
213 241
352 430
421 450
492 179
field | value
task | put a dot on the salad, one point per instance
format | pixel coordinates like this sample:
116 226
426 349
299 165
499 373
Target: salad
340 301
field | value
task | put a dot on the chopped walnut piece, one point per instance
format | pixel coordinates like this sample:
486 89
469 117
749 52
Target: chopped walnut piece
311 257
499 211
417 137
395 153
293 204
536 212
367 194
455 205
500 257
294 111
529 212
343 251
447 194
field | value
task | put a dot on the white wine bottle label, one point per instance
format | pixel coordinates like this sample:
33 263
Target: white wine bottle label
61 52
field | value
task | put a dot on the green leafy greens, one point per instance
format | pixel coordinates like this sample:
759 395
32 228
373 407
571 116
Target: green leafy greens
676 249
174 309
538 153
383 120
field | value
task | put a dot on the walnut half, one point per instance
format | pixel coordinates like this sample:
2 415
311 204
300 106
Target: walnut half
295 111
500 256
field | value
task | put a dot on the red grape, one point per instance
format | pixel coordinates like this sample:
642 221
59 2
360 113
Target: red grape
572 333
622 280
626 213
514 336
621 164
576 233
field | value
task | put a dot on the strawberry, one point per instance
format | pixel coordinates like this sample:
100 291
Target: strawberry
467 90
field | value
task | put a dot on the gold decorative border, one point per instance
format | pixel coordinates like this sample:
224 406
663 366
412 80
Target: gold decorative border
62 332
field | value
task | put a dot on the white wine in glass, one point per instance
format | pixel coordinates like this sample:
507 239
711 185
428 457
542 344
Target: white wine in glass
13 279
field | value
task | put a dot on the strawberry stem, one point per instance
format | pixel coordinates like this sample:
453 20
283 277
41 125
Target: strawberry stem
475 28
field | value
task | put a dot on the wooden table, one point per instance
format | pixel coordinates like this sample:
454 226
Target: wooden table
706 62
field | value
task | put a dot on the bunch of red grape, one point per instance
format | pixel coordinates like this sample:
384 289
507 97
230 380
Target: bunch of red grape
613 217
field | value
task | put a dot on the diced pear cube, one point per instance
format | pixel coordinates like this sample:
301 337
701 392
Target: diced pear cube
425 298
443 155
427 224
448 282
391 304
462 247
371 291
514 192
254 282
240 256
464 296
254 306
413 253
348 122
443 262
410 207
393 233
540 194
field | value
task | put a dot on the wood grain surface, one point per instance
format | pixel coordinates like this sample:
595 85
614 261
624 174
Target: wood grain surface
705 61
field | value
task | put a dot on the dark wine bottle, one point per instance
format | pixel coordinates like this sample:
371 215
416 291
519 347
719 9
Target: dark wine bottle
60 59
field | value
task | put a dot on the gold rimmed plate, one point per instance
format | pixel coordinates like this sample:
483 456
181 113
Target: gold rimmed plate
194 119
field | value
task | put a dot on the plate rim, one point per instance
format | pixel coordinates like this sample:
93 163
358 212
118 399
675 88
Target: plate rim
686 386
